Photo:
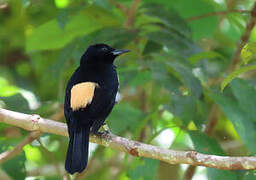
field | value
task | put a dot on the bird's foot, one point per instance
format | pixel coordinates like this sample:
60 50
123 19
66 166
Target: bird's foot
106 130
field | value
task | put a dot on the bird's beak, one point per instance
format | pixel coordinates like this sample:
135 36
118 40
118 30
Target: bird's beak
118 52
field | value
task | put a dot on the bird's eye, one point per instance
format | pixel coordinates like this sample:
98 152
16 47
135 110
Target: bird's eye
104 49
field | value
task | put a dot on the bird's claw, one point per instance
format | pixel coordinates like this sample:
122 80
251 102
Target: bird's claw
103 133
106 130
105 127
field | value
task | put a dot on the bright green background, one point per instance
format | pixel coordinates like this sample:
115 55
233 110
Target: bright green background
169 82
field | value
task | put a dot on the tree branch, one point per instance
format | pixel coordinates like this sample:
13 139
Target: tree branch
134 148
219 13
12 153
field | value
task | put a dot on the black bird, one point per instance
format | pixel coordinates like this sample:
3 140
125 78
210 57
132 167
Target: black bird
90 97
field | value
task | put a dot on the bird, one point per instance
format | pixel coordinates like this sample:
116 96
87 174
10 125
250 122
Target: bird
89 98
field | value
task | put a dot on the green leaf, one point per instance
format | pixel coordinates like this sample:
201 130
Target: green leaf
187 77
152 47
183 107
64 14
249 175
25 3
14 167
208 145
236 73
217 174
205 144
141 78
169 18
147 171
6 89
61 3
182 140
176 43
240 120
205 55
248 52
171 30
204 27
246 96
115 36
124 117
201 28
163 78
51 36
65 54
16 103
33 154
234 27
187 109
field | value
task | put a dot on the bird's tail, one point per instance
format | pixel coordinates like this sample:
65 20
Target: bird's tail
77 155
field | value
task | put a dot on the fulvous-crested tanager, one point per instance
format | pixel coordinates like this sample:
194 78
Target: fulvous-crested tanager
90 97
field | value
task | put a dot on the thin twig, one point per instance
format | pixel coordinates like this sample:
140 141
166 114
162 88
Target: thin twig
12 153
213 119
243 40
119 6
131 12
59 114
31 137
133 148
218 13
143 107
190 171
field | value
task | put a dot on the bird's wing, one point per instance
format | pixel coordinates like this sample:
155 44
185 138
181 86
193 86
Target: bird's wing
82 94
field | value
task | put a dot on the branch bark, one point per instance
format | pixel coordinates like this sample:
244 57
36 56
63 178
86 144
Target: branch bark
134 148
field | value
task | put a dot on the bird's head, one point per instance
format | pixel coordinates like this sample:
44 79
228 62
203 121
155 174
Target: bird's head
101 53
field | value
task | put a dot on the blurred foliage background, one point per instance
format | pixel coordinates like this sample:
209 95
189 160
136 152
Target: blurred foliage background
170 83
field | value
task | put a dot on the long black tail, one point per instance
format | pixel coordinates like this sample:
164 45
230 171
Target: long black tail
77 155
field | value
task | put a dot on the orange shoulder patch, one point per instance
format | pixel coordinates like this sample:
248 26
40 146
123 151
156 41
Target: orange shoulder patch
82 95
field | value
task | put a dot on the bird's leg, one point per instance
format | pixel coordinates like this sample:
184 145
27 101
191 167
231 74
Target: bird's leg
97 126
106 128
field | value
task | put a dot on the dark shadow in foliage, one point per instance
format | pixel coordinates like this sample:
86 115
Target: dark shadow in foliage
14 167
16 103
